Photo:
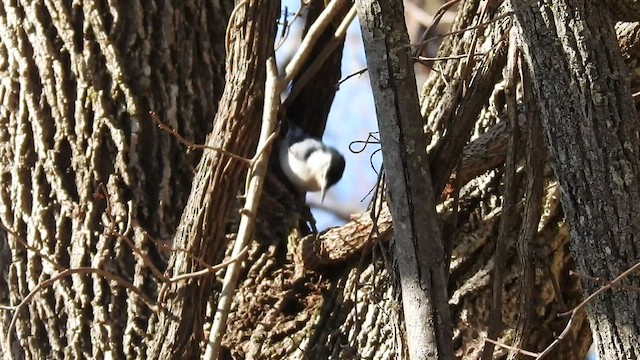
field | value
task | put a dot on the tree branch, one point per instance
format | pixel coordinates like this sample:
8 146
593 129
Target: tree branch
418 244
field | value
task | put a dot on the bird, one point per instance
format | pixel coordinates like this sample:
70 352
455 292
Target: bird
308 163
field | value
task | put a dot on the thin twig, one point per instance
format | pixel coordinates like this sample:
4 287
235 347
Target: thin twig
604 288
191 145
557 341
602 281
359 72
436 19
573 312
38 252
112 231
424 18
508 347
166 248
443 58
82 270
210 269
451 33
287 25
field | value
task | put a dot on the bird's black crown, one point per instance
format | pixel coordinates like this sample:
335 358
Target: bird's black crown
336 168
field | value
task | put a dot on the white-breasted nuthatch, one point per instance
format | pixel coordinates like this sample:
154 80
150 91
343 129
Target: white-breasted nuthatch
307 162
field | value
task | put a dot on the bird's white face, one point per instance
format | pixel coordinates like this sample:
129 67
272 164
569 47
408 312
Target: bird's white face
318 174
304 176
310 165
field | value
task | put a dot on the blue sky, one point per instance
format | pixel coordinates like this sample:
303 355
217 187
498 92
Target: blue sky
352 117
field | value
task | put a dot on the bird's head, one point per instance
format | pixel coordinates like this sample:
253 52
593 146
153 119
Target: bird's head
333 168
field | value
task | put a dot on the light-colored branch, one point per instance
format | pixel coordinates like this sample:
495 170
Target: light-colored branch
257 173
301 56
331 46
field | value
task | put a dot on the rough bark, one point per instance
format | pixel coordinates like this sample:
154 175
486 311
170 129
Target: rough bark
77 83
594 143
418 250
178 331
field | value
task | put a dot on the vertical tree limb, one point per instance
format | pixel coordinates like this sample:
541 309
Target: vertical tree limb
256 173
178 332
419 252
508 199
532 212
592 130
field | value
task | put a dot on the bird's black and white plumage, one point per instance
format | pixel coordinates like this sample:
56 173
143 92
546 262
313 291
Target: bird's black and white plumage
307 162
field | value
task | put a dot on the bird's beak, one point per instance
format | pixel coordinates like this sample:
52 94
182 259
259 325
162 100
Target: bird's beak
323 193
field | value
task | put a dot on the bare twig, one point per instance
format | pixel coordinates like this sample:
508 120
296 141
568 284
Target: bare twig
573 312
424 18
166 248
191 145
112 231
82 270
436 19
521 351
211 269
604 288
605 282
557 341
474 27
359 72
287 24
443 58
38 252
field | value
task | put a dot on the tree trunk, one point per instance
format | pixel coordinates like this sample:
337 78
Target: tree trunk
78 82
592 130
178 331
84 170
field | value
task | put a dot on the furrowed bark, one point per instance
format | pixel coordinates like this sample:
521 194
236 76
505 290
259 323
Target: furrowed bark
591 126
179 331
77 83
